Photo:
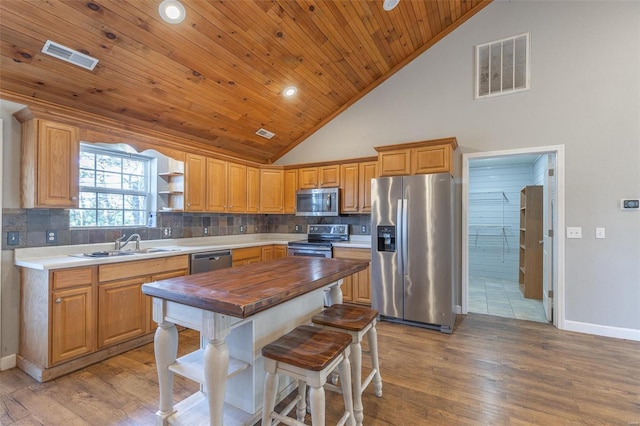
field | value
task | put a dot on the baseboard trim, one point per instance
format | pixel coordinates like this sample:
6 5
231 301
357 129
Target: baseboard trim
458 310
8 362
602 330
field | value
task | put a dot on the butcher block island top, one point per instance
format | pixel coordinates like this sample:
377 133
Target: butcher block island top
246 290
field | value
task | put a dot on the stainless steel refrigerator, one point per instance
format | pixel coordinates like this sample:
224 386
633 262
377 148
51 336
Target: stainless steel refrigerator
414 241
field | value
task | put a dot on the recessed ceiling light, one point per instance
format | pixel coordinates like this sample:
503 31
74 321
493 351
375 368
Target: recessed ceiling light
172 11
390 4
289 91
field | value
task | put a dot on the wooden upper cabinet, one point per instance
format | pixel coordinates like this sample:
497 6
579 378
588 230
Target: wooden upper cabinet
253 189
434 156
395 163
216 185
349 188
49 164
271 190
319 177
237 188
308 178
195 182
329 176
367 170
431 159
290 188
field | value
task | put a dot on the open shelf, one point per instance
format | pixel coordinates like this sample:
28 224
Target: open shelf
190 366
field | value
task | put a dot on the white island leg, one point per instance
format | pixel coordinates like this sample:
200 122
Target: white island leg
166 350
216 365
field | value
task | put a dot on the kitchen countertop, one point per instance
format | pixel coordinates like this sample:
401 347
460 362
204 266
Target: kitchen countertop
59 257
246 290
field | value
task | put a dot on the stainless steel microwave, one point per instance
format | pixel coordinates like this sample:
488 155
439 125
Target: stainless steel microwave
317 202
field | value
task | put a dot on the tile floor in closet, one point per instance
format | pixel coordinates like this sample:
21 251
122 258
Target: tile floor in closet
503 299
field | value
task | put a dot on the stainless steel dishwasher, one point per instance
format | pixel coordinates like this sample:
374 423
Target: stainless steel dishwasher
209 261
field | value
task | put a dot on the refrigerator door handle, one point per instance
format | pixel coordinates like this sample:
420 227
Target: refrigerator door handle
405 235
399 235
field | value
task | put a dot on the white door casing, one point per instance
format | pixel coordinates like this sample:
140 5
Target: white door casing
558 243
547 236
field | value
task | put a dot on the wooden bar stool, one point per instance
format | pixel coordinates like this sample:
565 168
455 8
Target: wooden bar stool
308 354
356 321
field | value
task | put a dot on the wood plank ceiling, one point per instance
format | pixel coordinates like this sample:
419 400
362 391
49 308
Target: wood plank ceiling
218 76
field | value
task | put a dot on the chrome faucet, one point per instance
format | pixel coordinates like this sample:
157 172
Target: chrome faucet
120 244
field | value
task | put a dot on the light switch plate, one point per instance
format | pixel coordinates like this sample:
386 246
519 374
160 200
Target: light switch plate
599 232
13 238
574 232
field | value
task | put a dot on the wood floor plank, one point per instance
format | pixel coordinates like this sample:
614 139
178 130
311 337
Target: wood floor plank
489 371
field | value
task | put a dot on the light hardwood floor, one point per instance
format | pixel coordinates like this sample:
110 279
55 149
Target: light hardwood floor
490 371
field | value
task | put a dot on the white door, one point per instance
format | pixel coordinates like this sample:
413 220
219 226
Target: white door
547 239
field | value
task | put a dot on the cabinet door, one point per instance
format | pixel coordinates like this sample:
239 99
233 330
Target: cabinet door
216 185
253 189
72 324
194 185
368 170
329 176
308 178
347 289
290 188
122 311
267 253
237 188
271 190
394 163
431 159
357 287
349 188
58 150
279 250
245 256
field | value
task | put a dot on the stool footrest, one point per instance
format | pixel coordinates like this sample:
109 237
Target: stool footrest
368 379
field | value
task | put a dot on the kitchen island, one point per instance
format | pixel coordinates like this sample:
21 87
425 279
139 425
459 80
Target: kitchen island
237 311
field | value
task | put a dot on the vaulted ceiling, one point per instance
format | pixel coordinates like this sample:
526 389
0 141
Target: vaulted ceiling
218 76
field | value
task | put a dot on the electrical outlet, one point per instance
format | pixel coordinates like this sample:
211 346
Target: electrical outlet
205 230
242 229
52 236
599 233
13 238
574 232
167 232
363 229
298 228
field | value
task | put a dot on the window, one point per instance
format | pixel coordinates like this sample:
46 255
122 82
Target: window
114 189
502 66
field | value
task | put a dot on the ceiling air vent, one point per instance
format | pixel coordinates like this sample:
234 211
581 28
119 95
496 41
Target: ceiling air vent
69 55
265 133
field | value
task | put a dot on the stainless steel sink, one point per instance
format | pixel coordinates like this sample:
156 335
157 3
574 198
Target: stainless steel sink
111 253
105 253
154 250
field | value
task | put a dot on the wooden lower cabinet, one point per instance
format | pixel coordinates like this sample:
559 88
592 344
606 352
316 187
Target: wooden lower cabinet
72 324
122 311
71 318
275 251
245 256
357 287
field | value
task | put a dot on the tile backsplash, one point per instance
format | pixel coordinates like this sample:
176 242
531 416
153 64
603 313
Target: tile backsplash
35 226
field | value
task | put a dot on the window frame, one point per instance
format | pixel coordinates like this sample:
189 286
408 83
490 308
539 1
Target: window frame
147 161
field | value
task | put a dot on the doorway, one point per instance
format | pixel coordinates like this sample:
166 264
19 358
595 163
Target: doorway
491 254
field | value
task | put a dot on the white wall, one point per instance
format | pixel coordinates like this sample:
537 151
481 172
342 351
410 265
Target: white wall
585 94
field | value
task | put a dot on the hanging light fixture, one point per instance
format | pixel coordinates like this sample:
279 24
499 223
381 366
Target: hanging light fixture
172 11
390 4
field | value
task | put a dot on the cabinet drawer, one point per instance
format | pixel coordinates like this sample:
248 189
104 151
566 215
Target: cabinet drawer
352 253
117 271
67 278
